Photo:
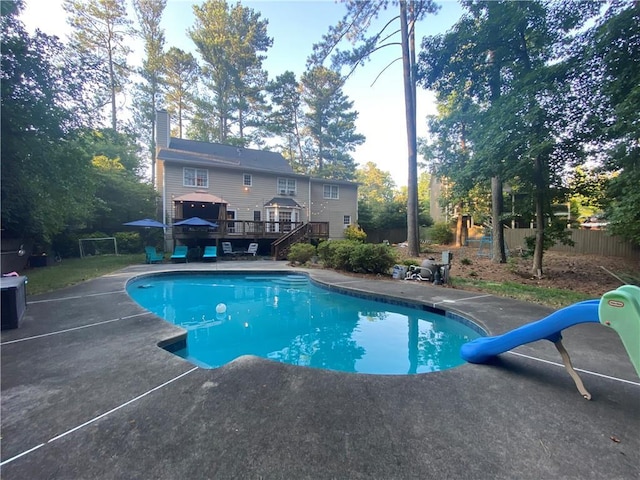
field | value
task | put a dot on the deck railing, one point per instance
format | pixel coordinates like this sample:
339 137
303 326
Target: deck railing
254 230
237 228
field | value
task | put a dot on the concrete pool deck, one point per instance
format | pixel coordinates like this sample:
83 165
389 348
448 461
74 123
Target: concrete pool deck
86 393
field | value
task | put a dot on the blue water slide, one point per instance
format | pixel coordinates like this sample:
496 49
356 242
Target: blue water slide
549 328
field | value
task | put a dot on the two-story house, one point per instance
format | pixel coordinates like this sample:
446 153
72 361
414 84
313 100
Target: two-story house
250 195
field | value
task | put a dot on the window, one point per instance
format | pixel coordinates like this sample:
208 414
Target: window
256 215
346 221
196 177
286 186
331 191
246 180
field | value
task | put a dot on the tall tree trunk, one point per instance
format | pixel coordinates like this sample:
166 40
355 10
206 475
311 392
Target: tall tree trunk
413 237
538 251
223 128
461 227
497 204
298 137
112 85
152 147
153 150
320 162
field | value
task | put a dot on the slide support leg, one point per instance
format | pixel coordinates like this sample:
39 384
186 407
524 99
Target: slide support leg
567 364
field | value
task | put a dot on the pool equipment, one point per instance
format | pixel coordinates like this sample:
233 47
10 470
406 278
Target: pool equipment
431 271
618 309
221 308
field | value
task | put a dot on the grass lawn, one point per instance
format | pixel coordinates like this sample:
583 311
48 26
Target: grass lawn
552 297
75 270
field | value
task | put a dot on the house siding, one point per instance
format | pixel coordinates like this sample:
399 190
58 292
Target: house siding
334 210
228 185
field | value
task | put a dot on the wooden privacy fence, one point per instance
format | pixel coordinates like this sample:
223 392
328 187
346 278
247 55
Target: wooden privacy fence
392 235
594 242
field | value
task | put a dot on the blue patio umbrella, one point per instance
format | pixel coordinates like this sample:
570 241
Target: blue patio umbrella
146 222
195 222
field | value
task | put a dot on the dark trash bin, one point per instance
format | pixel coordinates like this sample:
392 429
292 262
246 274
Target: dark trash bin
36 261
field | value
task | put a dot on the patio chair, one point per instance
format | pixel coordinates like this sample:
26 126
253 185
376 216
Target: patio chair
210 253
252 250
152 255
226 249
180 253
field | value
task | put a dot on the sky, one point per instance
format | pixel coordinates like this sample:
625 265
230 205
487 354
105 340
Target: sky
295 26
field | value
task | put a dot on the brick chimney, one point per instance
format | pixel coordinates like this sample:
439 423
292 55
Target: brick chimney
163 129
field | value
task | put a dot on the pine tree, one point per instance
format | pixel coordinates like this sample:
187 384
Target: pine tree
100 33
147 97
230 41
330 123
181 77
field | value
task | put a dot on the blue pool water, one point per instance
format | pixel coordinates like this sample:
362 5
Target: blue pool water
289 319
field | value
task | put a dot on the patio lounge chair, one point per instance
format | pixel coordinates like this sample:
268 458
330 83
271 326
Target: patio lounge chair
252 250
180 253
152 255
210 253
226 249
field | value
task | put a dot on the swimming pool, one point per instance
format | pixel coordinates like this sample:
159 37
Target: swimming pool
290 319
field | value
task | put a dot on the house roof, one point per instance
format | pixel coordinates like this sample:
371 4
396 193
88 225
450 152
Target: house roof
199 197
282 202
226 156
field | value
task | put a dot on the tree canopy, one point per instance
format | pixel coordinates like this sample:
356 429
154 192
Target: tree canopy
43 170
231 42
148 99
330 124
505 87
100 32
613 48
181 73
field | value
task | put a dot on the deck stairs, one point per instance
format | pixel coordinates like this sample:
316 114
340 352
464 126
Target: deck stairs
280 248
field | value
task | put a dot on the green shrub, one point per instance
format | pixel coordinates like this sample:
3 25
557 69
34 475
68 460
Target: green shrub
411 261
441 233
465 261
354 232
97 234
128 242
301 253
341 254
336 253
66 245
323 250
354 256
371 258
